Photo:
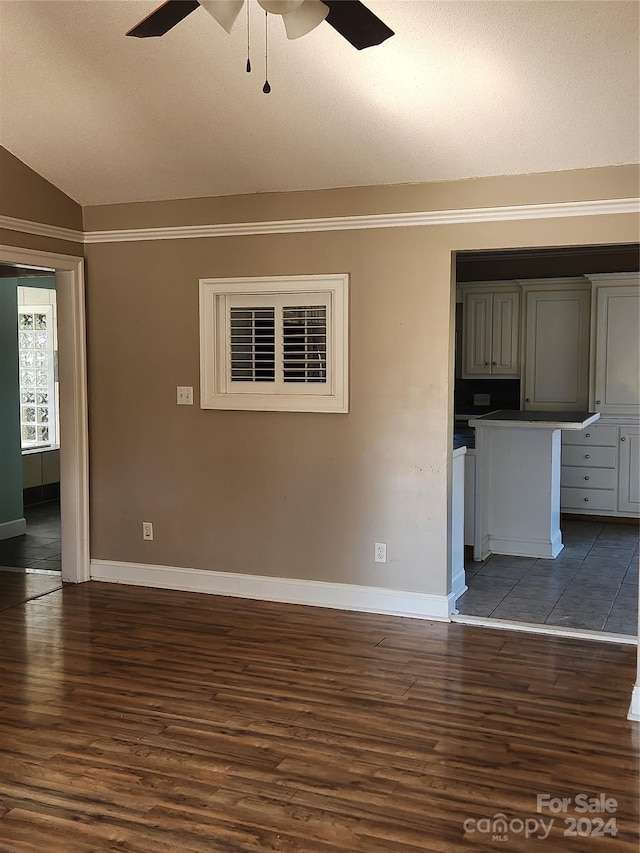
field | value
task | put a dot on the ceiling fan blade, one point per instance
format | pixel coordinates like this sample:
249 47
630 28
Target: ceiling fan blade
162 19
356 23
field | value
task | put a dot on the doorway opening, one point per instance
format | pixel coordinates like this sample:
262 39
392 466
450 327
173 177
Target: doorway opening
40 423
29 390
538 311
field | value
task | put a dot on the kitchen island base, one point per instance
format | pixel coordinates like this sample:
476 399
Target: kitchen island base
518 470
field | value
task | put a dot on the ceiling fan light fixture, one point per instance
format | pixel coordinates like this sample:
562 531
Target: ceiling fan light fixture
309 15
224 12
280 7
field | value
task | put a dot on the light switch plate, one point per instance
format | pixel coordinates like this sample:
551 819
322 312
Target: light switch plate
482 399
185 395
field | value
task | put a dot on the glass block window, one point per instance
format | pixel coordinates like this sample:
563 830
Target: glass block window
274 344
37 376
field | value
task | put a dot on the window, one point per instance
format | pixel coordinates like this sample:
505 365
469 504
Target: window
274 344
38 410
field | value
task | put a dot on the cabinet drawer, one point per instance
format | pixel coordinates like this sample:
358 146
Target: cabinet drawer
589 457
603 435
596 499
588 478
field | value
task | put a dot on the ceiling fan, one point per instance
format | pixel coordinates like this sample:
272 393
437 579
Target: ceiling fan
351 18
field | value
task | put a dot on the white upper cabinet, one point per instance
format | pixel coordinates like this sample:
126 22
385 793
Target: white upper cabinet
477 334
616 352
491 321
556 363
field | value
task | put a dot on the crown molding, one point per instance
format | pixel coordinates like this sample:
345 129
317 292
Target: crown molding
606 207
41 229
379 220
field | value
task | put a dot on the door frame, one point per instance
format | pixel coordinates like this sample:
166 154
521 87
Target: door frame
72 372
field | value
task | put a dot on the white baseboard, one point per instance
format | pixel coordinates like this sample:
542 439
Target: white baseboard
526 547
484 552
458 585
340 596
9 529
634 710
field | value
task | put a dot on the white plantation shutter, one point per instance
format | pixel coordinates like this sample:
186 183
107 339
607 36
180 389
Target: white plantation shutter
252 348
277 342
304 343
274 344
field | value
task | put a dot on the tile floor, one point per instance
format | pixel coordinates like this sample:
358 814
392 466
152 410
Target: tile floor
40 548
592 584
30 565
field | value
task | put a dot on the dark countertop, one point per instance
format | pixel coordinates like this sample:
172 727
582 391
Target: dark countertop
464 440
564 420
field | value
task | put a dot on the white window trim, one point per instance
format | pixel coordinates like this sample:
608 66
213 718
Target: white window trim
213 368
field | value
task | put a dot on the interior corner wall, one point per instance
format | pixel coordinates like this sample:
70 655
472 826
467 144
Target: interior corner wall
290 495
28 196
10 450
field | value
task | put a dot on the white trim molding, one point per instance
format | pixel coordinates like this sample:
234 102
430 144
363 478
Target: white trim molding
605 207
506 213
41 229
338 596
15 527
458 586
634 709
549 630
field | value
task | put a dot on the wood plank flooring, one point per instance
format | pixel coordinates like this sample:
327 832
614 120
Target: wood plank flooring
150 721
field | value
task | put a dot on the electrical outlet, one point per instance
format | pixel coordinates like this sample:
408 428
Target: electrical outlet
482 399
147 530
381 552
185 395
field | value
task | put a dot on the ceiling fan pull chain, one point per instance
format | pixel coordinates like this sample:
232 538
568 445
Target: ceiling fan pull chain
266 88
248 29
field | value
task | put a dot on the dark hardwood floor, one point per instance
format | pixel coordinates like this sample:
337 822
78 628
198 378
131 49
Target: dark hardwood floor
150 721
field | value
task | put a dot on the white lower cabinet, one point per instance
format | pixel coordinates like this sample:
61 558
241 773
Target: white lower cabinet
588 500
470 497
601 471
629 499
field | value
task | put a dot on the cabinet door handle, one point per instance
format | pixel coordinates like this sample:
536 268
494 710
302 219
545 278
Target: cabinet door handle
587 435
624 438
527 400
586 500
494 363
486 364
586 478
586 456
597 402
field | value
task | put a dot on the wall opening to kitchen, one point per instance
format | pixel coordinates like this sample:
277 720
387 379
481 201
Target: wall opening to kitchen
531 328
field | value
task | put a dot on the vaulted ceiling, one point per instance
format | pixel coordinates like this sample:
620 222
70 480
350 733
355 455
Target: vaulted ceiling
464 89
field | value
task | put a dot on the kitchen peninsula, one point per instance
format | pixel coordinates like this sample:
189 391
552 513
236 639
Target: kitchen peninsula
518 481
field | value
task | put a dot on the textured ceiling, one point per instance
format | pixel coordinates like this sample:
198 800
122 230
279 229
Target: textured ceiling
464 89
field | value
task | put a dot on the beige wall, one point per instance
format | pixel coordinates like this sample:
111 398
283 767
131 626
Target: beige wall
295 495
27 195
579 185
24 194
